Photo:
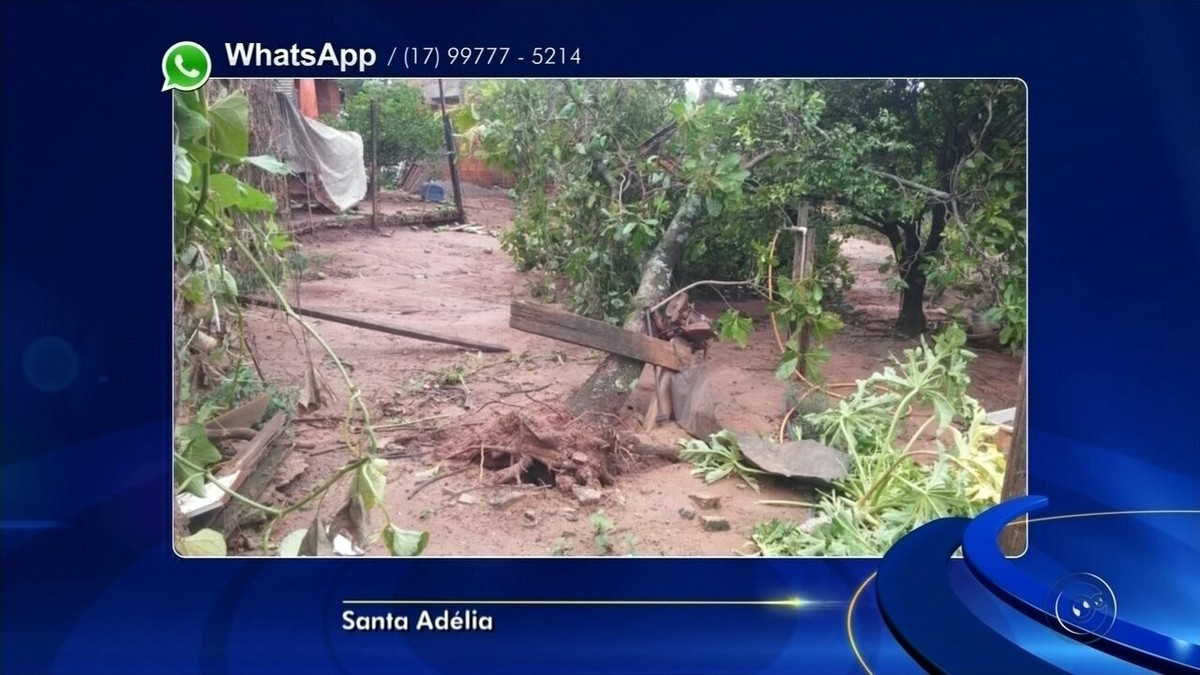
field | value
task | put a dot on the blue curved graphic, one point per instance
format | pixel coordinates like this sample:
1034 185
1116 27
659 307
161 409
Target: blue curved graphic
926 616
1122 639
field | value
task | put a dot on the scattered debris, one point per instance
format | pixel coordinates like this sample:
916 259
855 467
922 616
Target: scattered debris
536 446
428 474
468 498
505 498
586 496
807 460
687 512
684 320
714 524
470 229
292 467
247 473
706 501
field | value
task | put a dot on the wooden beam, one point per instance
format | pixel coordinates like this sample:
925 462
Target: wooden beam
1016 474
578 330
390 329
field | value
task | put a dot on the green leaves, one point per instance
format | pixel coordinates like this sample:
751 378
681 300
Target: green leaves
718 458
887 492
269 164
799 308
291 544
229 122
206 542
182 165
190 124
715 205
733 327
789 361
196 449
404 543
372 482
230 193
407 129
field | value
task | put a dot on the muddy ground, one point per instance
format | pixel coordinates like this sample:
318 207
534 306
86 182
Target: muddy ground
461 283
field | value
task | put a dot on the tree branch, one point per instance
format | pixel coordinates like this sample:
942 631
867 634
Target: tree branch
749 164
904 182
663 303
872 225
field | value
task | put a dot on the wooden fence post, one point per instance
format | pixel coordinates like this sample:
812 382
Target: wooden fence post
1016 473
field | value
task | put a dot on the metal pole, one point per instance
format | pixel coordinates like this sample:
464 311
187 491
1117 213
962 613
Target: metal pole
450 156
375 164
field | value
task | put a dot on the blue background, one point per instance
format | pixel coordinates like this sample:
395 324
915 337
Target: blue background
90 583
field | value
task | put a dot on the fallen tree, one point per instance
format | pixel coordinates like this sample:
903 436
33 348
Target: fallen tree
617 376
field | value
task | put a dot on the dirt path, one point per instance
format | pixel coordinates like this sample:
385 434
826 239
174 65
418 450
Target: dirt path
462 283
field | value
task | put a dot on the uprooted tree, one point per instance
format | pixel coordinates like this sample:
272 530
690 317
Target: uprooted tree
626 188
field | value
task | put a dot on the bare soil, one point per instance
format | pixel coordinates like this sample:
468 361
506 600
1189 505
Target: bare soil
470 415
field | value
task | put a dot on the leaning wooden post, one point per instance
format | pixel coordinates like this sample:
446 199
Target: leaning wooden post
451 152
375 164
1012 540
802 264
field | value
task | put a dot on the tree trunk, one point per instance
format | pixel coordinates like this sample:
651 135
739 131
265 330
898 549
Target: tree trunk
911 321
1012 540
266 134
617 376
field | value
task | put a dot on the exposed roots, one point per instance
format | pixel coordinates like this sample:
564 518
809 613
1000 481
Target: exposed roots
540 446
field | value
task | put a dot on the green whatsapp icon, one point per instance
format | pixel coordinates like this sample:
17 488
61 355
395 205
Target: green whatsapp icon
186 66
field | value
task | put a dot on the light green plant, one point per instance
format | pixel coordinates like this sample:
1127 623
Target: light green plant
718 458
222 223
887 493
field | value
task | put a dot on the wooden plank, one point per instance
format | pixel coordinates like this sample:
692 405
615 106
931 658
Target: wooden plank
1013 540
233 475
578 330
388 328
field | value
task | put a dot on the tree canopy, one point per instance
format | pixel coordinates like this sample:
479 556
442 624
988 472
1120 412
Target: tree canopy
408 128
937 167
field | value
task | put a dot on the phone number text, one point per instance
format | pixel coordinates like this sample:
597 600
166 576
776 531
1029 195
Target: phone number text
435 57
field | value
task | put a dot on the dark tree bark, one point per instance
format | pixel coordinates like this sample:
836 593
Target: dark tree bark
911 321
1012 540
617 376
911 255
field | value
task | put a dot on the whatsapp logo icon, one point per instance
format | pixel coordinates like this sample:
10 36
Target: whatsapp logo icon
186 66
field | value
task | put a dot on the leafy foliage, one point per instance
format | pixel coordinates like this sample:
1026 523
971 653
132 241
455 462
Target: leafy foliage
887 494
732 326
934 167
799 307
603 167
718 458
408 129
602 530
225 230
205 542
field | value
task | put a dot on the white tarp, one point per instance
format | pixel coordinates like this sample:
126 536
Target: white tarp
332 159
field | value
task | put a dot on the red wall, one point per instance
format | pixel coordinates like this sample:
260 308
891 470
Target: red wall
306 98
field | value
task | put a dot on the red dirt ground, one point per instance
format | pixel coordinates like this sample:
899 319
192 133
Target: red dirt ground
461 283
